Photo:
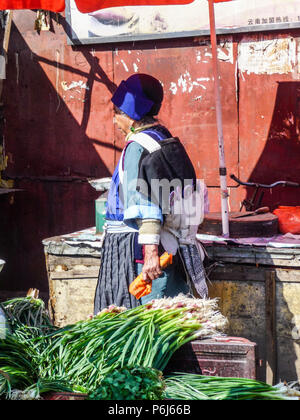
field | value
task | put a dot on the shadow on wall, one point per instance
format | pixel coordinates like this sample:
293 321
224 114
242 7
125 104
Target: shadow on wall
50 158
280 160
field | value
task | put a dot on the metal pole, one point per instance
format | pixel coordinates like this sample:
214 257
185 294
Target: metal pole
223 170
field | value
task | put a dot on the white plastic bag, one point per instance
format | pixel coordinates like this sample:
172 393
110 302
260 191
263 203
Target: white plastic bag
187 213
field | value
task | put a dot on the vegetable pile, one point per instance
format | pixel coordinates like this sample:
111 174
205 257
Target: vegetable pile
145 336
118 354
35 352
183 386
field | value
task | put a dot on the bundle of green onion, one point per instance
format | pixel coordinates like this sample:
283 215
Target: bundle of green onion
183 386
144 336
21 345
16 369
28 311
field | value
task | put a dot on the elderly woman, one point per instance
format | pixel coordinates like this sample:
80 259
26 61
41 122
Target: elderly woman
136 231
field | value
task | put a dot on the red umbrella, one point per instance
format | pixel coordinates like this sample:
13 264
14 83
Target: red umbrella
86 6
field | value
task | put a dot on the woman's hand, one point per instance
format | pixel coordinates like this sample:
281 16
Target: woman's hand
151 269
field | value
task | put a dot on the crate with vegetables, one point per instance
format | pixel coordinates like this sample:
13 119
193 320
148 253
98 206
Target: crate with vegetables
117 355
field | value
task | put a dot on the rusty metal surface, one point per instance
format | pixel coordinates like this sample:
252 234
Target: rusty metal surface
40 209
228 357
188 109
83 243
269 113
59 128
265 255
261 225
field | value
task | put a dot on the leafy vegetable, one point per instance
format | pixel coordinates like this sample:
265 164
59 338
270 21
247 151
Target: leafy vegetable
137 383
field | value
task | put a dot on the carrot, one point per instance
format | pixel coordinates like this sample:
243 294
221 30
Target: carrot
140 287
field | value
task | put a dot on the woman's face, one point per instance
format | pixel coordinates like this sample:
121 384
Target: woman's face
123 122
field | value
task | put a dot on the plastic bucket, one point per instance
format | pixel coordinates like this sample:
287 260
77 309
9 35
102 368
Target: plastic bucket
100 214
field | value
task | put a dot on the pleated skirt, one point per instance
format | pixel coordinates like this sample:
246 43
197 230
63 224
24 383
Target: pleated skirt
117 271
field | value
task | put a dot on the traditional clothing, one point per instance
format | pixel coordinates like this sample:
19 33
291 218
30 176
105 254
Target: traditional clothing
139 214
122 252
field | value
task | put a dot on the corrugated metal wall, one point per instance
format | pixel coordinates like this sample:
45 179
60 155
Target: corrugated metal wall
59 127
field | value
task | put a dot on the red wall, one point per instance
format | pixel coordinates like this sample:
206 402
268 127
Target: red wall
56 138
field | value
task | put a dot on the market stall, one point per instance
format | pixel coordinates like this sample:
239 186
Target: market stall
256 279
123 354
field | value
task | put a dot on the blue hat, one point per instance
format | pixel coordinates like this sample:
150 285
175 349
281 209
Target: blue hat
138 96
